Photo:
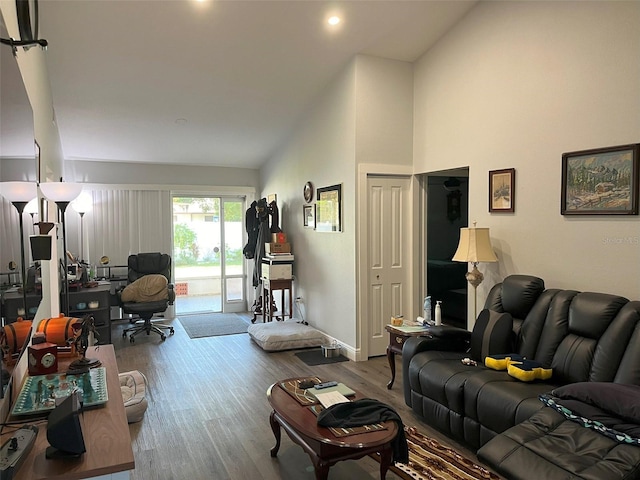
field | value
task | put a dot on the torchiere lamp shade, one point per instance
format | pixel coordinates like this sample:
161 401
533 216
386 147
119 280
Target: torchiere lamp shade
61 191
18 191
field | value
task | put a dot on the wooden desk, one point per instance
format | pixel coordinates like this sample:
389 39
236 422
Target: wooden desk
105 431
397 337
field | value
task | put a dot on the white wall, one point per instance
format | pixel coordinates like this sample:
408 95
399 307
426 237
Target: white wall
321 150
364 117
384 111
516 84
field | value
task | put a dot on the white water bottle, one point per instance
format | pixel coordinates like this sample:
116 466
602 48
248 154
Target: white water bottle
438 313
426 309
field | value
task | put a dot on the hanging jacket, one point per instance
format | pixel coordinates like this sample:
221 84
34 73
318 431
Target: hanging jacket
251 224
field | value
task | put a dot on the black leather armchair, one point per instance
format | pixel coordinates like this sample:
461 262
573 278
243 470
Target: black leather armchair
151 295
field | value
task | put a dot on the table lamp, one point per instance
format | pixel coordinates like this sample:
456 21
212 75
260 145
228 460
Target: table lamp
474 247
19 194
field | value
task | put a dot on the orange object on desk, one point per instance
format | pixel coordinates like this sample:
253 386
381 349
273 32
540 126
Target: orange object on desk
13 337
60 331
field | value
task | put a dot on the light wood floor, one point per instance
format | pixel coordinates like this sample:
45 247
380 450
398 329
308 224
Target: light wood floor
208 414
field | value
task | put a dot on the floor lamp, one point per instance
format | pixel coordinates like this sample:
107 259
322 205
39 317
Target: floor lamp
62 194
32 209
474 247
19 194
82 205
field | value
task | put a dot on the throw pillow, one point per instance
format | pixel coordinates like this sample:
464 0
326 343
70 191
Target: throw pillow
502 361
492 334
149 288
528 371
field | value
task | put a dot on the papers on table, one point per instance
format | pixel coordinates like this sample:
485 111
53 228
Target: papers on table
331 398
341 387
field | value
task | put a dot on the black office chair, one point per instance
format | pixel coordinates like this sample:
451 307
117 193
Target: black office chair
146 296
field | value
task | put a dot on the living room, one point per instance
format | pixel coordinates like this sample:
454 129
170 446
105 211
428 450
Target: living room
462 92
511 85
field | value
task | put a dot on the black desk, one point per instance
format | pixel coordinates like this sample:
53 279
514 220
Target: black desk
102 313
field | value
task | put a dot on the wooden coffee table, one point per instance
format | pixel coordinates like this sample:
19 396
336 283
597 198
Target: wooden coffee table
321 445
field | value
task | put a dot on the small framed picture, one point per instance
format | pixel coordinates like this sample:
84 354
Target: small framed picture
602 181
502 187
309 216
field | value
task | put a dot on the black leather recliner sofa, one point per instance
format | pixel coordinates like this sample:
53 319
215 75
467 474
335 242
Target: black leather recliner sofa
581 336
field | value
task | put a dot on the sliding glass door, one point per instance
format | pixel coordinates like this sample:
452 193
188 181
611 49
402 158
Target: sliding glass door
207 252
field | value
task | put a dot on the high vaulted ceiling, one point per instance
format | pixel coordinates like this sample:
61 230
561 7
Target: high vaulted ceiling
202 83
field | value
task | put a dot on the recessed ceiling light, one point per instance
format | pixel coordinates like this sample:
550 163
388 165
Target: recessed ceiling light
333 20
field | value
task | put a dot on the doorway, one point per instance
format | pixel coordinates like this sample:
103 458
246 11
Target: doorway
207 254
447 212
389 258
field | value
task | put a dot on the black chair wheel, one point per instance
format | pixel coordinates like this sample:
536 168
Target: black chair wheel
124 334
163 337
171 331
132 339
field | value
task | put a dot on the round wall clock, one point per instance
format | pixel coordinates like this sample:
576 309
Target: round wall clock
308 192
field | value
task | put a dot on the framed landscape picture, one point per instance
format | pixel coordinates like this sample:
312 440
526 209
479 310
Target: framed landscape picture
502 185
328 209
602 181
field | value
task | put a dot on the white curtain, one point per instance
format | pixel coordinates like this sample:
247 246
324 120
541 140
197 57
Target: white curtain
123 222
10 236
120 223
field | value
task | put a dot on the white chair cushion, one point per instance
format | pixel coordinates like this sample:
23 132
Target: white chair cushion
275 336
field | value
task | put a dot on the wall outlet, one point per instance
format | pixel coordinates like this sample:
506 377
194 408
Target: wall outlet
298 299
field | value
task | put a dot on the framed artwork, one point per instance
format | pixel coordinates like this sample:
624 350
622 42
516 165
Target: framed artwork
272 197
308 216
602 181
502 189
328 209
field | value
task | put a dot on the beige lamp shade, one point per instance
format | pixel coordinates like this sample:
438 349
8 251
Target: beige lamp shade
474 246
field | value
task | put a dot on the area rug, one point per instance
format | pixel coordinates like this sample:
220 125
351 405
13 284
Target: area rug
430 460
213 324
315 357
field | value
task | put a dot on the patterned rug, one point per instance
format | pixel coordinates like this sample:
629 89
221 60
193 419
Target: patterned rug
213 324
430 460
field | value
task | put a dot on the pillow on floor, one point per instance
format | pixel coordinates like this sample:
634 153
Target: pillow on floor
133 386
288 335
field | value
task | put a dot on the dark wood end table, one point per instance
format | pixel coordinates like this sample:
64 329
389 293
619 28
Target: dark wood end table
269 307
397 337
319 443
